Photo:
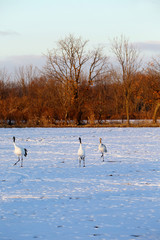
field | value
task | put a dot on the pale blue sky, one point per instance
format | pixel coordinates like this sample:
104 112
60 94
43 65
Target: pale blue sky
29 27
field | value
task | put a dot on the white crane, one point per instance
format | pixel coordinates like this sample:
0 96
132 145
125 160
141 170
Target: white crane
20 152
81 154
102 148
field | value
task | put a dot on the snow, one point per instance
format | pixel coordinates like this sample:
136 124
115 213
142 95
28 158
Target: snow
52 198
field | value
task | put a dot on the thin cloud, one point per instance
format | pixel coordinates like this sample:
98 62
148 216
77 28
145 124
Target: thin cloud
8 33
153 46
14 62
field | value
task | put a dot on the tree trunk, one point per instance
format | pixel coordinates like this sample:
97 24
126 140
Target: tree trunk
127 111
155 112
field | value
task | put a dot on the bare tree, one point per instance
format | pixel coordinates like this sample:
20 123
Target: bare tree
69 62
155 65
4 81
128 59
153 72
24 76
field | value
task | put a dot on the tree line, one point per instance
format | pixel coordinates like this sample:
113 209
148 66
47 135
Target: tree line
78 86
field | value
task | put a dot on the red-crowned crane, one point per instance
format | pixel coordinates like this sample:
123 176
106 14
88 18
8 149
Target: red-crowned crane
81 154
102 148
20 152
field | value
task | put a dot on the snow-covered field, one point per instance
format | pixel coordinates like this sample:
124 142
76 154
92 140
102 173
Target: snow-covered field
52 198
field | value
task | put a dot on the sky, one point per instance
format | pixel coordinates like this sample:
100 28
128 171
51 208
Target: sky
29 28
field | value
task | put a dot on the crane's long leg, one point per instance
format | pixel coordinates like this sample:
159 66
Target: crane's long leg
102 156
17 161
83 162
79 162
21 161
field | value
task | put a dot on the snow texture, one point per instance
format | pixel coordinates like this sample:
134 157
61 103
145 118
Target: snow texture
52 198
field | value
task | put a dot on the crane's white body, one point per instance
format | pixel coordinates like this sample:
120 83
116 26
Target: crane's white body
81 154
102 148
17 150
20 152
